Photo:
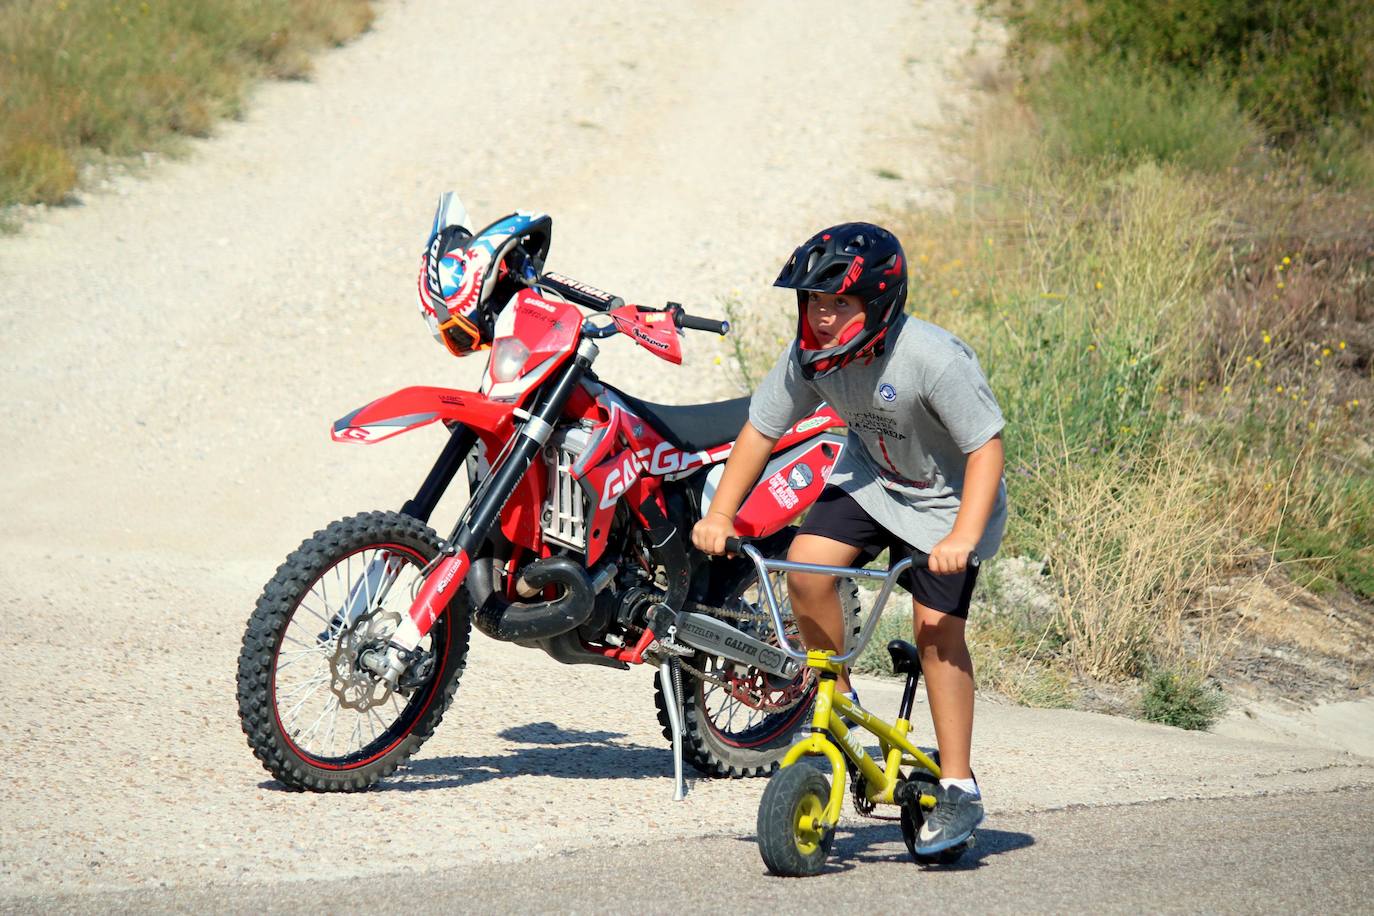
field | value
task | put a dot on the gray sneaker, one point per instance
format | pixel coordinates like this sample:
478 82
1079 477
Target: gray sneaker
957 813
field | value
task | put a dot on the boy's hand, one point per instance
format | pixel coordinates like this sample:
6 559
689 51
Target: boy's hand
950 555
710 533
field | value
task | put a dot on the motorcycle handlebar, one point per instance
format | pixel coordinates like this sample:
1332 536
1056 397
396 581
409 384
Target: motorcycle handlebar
696 323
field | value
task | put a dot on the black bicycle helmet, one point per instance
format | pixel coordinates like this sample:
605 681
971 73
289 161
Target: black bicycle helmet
856 259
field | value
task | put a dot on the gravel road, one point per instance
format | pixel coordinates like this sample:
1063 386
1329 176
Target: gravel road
176 348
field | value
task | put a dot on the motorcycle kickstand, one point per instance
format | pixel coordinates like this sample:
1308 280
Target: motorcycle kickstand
670 675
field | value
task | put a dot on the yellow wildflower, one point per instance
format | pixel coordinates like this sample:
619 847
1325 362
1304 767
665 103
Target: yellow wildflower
1267 338
1092 347
954 292
1326 351
1341 345
1287 260
1226 389
1316 362
1258 364
1280 284
1278 389
1098 284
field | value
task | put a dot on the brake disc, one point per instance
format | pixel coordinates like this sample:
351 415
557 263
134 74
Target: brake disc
355 686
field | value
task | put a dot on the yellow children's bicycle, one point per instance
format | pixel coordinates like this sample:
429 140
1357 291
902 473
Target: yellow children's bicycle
800 809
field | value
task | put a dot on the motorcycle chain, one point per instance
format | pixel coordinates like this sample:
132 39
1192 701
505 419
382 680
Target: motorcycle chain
756 699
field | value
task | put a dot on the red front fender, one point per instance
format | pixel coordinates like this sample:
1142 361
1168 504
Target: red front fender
411 408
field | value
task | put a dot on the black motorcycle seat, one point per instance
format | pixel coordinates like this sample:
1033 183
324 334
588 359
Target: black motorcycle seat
693 427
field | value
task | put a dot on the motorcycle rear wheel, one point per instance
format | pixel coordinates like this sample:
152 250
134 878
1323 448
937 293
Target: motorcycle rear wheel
292 718
717 742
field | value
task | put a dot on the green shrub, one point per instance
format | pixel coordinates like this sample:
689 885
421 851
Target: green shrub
1294 64
1110 111
1182 701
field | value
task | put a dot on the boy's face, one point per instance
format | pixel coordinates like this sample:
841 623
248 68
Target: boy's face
829 315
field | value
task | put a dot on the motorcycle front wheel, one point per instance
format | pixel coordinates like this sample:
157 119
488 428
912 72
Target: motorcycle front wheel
314 716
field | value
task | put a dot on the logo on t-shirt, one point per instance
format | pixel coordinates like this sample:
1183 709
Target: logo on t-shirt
887 392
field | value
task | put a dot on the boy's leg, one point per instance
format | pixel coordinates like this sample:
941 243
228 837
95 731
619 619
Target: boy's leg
814 598
948 670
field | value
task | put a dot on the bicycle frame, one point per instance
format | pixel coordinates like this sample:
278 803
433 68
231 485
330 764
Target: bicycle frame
830 737
827 721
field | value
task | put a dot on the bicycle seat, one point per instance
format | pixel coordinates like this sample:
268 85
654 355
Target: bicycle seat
905 658
692 427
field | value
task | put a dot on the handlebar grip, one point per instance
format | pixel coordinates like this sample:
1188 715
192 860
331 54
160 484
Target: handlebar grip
692 322
695 323
733 545
974 561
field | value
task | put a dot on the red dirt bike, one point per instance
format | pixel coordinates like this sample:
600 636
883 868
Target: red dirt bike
576 541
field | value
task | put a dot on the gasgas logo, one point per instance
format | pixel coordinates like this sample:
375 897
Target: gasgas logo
620 479
661 460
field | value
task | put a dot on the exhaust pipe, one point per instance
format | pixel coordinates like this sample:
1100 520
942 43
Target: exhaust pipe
512 621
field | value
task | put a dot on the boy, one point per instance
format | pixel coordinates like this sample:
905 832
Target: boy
921 473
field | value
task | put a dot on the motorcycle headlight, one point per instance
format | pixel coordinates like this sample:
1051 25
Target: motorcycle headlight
508 357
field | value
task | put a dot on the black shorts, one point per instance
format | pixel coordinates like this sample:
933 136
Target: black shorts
837 516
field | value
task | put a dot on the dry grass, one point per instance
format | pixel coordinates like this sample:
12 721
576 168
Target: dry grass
84 77
1135 554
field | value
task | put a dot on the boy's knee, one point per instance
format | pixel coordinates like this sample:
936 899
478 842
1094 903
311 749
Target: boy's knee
939 632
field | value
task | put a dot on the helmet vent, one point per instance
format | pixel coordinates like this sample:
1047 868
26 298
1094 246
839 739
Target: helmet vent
831 272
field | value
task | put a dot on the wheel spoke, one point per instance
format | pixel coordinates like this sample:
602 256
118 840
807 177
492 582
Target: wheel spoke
332 704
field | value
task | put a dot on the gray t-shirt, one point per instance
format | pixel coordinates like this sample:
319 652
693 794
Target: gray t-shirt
914 414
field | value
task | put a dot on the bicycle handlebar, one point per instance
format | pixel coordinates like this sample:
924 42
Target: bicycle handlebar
889 578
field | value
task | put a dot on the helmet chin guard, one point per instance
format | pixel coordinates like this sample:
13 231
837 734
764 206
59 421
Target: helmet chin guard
856 259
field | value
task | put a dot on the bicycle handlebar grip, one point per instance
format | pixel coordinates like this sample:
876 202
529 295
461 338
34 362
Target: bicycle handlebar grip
734 545
974 561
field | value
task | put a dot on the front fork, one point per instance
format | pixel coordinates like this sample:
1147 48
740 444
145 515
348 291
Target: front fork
448 574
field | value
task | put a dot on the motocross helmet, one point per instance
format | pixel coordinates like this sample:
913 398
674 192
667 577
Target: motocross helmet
465 279
856 259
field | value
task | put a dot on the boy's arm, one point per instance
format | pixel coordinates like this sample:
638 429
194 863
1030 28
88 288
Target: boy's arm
742 468
982 478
